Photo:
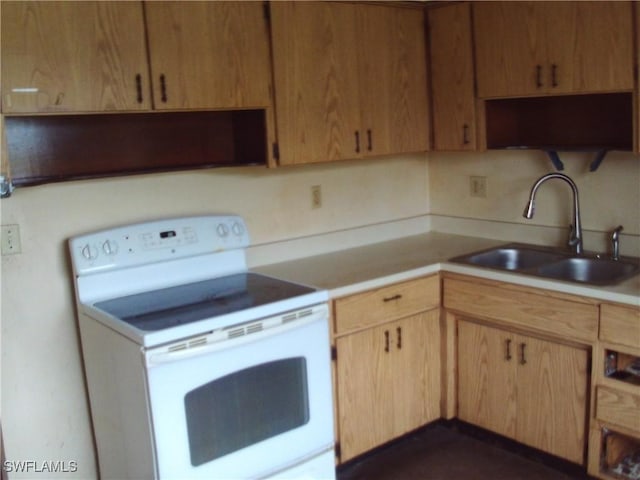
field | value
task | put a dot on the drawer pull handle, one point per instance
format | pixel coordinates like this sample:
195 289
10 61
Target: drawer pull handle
508 346
554 75
357 135
391 299
386 341
523 360
399 332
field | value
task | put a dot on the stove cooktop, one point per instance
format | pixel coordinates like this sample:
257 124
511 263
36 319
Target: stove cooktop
184 304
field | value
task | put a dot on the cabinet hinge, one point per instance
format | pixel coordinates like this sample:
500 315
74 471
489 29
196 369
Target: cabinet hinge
334 353
275 149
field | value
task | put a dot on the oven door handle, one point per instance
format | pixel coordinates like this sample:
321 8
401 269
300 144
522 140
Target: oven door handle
227 338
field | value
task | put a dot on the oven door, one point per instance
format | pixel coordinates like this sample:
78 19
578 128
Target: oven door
249 406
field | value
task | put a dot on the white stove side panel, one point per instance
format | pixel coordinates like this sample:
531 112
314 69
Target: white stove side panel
115 377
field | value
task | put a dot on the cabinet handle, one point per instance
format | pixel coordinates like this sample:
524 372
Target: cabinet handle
465 134
507 343
554 75
139 88
357 141
523 360
163 88
386 341
369 140
399 332
539 83
391 299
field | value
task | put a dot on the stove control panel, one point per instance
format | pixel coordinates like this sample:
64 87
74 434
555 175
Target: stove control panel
157 241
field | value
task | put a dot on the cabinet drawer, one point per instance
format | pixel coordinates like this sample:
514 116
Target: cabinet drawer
620 408
620 325
387 303
528 308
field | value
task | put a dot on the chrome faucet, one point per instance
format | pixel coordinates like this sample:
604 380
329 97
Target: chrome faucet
615 243
575 235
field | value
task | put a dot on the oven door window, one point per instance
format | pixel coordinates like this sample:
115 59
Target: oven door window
246 407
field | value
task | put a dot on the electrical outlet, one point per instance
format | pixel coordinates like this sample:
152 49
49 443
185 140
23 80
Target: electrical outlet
10 239
478 186
316 196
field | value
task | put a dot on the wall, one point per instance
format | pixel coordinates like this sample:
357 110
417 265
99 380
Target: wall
44 408
609 196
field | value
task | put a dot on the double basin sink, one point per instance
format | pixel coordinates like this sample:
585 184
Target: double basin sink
553 264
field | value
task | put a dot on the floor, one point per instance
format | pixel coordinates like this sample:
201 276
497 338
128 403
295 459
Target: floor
451 451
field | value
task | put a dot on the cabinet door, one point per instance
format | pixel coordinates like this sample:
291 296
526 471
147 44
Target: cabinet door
486 378
540 48
388 382
552 397
590 47
510 48
392 63
73 57
209 54
415 368
454 126
316 84
365 393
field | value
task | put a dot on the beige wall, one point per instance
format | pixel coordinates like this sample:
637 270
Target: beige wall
609 196
44 406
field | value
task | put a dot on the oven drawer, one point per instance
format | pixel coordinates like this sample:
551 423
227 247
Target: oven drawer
618 407
620 325
388 303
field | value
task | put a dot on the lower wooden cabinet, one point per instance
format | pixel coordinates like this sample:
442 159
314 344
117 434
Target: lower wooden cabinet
525 388
387 374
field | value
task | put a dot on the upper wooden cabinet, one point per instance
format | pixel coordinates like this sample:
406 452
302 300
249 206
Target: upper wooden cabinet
73 57
350 80
542 48
208 54
92 56
452 80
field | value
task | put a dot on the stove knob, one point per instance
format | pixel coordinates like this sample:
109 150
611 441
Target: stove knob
238 229
222 230
110 247
89 252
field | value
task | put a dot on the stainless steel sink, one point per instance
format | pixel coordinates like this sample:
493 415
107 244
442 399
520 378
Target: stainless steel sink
513 258
554 264
598 271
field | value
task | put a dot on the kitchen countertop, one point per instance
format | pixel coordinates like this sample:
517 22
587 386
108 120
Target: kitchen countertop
370 266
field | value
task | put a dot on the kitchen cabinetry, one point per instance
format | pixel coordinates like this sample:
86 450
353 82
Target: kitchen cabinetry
614 448
92 57
387 344
550 48
350 80
208 54
452 78
523 362
73 57
525 388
